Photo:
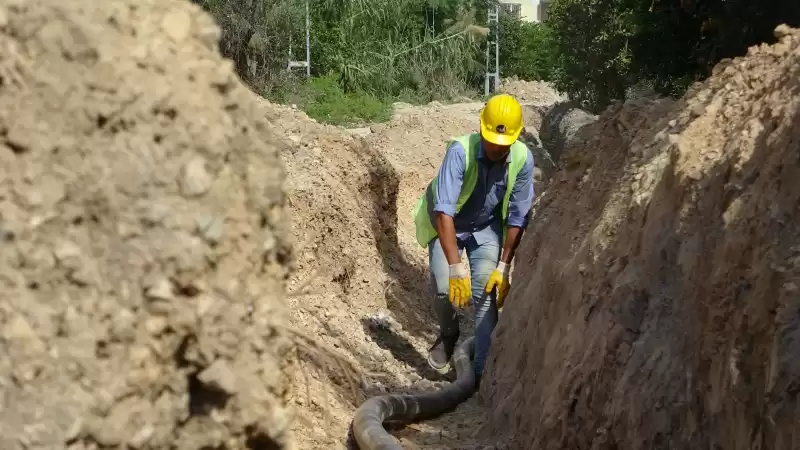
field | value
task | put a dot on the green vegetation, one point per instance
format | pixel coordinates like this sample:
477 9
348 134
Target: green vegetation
527 51
606 47
324 99
366 54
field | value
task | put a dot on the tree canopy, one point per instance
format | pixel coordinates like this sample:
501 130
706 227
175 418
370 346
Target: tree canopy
366 53
606 47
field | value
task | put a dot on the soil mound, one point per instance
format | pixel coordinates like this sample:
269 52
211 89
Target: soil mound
536 93
143 240
656 301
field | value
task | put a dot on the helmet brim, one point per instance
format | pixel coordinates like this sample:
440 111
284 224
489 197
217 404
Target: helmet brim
500 139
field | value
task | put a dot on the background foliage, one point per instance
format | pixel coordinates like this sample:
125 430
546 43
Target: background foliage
366 54
607 47
526 50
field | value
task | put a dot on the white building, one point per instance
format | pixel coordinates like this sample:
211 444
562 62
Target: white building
527 10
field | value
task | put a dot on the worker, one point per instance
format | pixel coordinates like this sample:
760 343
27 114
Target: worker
478 202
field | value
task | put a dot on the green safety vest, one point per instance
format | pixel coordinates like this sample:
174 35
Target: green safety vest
423 210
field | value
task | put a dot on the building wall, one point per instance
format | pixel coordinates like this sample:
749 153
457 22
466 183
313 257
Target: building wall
542 10
529 9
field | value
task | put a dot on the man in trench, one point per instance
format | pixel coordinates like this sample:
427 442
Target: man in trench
478 202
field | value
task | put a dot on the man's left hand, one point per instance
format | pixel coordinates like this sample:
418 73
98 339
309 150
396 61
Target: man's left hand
499 279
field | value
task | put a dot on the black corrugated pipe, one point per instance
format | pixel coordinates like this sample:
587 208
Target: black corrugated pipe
408 408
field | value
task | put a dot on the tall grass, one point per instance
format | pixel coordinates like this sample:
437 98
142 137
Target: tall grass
364 53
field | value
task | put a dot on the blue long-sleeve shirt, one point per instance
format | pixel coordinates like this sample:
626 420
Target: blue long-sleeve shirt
484 207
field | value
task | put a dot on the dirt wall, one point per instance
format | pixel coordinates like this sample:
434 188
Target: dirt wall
143 240
655 299
361 287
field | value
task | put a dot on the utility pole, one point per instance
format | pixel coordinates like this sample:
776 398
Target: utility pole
308 42
492 50
307 62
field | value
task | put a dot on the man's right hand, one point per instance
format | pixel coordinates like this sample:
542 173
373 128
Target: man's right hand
460 291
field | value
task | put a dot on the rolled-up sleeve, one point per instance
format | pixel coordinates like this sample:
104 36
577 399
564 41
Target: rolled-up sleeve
521 199
451 175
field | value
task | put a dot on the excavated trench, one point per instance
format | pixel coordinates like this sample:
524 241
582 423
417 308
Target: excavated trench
559 125
655 296
402 409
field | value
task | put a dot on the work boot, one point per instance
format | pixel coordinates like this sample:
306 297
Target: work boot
440 353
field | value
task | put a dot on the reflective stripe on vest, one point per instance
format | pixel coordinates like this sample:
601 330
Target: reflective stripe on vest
423 209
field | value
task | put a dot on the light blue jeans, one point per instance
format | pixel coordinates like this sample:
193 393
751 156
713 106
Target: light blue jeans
483 251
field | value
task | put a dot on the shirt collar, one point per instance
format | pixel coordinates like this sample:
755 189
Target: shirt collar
482 155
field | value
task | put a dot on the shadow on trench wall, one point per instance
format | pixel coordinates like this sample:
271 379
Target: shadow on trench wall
408 292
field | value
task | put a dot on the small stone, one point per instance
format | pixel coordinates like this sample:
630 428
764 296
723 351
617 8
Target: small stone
695 174
35 433
82 276
156 325
674 139
210 228
538 174
698 110
160 289
209 35
204 304
782 31
140 439
18 140
154 213
196 180
65 250
363 131
220 377
103 433
123 325
269 243
18 328
177 24
74 431
223 74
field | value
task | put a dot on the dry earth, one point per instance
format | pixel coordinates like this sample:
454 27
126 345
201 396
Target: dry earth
145 244
143 239
361 284
656 300
145 252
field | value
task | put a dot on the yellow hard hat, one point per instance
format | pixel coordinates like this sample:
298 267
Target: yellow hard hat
501 120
